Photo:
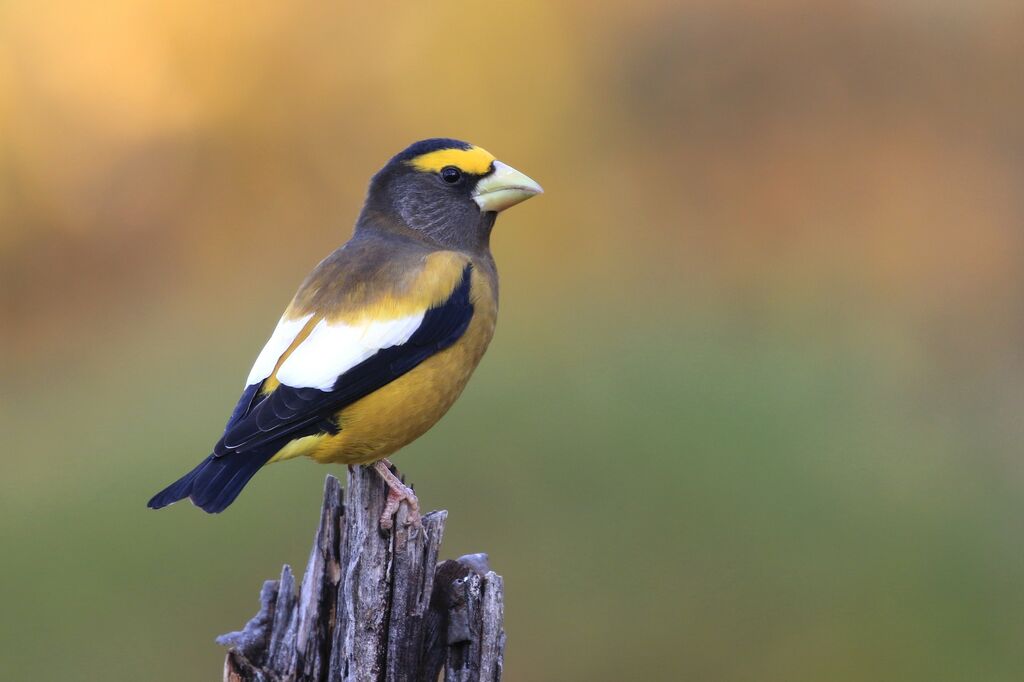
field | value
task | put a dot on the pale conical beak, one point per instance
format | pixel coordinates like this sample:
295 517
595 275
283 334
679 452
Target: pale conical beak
503 188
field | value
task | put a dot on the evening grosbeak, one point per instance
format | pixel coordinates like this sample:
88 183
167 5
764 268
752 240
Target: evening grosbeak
382 336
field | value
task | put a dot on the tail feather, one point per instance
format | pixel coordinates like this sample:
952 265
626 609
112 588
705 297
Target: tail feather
178 490
222 479
215 483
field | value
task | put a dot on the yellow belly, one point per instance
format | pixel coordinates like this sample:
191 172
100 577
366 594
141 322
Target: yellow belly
403 410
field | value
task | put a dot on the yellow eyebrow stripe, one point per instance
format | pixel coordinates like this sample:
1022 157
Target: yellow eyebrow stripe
475 160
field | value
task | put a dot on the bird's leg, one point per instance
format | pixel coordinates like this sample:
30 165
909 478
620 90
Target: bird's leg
397 491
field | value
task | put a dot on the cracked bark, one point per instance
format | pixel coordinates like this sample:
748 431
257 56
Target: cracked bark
373 606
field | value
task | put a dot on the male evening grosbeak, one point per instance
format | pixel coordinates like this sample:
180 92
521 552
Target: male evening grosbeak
382 336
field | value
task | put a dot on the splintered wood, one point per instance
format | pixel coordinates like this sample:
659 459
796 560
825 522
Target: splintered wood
373 606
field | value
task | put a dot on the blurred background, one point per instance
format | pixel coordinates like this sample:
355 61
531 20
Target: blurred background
754 407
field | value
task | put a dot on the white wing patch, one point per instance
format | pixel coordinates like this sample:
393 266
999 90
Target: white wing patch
283 335
333 349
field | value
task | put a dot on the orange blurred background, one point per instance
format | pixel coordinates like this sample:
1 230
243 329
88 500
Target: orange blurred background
754 406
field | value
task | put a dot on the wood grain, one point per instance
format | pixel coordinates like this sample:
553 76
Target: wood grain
373 606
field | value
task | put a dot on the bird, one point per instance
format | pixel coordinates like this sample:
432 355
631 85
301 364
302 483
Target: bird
381 337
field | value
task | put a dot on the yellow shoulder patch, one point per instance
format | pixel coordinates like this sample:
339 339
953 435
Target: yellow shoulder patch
475 160
429 286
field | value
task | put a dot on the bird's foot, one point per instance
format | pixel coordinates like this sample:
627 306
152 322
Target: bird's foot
397 493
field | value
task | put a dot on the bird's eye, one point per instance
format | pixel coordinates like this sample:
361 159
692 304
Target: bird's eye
451 174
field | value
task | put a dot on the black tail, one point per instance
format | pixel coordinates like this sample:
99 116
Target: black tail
215 483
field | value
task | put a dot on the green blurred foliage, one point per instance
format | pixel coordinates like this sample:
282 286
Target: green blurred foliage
753 411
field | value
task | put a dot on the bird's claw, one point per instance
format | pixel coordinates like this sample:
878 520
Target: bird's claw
395 499
397 493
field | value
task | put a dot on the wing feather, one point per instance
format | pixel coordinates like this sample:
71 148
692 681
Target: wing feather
284 334
339 364
310 369
333 349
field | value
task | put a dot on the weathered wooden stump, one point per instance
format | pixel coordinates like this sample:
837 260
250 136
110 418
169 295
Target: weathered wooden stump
373 606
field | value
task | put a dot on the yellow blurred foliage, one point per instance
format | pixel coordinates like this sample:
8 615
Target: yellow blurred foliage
737 142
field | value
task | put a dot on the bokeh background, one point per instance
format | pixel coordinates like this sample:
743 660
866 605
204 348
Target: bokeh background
754 408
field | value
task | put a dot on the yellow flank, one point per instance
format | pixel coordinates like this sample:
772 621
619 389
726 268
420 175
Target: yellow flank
474 160
298 447
403 410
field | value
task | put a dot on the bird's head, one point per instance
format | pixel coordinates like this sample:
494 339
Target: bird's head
448 191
